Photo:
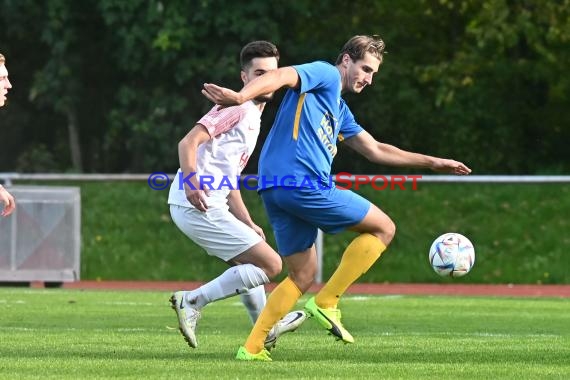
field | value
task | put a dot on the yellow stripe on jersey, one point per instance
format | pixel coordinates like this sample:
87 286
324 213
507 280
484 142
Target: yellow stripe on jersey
340 137
298 116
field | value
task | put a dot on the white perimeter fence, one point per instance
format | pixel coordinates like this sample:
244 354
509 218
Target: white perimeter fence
7 179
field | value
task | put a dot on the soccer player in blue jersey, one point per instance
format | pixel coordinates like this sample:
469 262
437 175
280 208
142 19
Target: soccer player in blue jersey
302 144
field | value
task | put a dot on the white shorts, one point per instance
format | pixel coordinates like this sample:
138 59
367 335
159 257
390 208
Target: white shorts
218 231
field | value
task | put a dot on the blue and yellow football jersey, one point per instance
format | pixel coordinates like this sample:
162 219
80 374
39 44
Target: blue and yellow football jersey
302 142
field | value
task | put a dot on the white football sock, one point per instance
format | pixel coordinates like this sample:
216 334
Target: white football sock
254 300
235 280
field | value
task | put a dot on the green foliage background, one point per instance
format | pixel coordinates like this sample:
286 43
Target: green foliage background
112 85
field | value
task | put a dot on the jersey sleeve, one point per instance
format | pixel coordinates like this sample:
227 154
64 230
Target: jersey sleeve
348 125
221 119
317 75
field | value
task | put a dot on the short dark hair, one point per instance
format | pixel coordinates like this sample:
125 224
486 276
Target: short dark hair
358 46
257 49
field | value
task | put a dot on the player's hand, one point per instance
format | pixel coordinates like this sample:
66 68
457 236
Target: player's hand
197 198
258 230
443 165
8 200
221 95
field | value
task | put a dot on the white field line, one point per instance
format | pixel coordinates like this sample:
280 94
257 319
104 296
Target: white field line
391 334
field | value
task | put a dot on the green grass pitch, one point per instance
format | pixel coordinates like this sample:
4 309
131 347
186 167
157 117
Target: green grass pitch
65 334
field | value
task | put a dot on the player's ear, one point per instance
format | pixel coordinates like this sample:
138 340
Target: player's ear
243 77
345 59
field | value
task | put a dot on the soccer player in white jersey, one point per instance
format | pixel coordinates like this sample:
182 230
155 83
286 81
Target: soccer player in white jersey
5 197
214 216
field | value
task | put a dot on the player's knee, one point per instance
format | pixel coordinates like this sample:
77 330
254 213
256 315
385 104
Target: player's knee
386 231
390 232
273 268
303 279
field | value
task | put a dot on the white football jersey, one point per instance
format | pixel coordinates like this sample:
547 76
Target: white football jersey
220 161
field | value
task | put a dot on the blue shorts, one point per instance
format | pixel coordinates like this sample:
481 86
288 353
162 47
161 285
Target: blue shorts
296 214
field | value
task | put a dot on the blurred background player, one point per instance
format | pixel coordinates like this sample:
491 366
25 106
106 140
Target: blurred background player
7 202
311 119
218 148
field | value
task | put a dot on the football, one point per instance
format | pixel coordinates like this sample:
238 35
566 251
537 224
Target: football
452 254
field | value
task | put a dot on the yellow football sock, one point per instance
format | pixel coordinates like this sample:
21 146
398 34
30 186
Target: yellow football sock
280 301
358 257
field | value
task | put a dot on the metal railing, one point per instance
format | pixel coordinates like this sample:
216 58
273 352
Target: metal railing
7 178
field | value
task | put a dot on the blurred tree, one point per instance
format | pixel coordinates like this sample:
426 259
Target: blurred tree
504 85
112 85
165 51
56 64
58 83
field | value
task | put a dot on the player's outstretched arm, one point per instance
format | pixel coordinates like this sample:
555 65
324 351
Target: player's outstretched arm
7 200
386 154
264 84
